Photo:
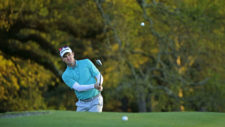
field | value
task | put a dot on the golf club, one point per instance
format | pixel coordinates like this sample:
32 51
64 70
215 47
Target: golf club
98 62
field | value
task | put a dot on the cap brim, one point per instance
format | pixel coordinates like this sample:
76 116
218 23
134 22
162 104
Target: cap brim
65 51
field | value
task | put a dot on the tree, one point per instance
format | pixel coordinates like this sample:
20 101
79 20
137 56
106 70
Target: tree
170 64
33 30
164 77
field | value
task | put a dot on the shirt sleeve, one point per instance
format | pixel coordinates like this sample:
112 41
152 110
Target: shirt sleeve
68 80
75 85
79 87
94 71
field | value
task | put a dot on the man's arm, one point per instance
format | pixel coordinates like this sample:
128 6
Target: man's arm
99 79
78 87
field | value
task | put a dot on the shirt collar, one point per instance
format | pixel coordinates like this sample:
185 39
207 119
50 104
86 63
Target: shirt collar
74 66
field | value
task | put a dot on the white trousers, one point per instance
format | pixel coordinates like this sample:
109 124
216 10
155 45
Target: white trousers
94 105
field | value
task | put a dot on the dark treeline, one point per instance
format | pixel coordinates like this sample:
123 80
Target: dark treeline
174 62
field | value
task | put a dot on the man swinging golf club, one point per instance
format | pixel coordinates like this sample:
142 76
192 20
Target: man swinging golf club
85 79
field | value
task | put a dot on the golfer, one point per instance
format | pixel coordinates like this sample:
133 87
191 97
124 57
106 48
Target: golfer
84 78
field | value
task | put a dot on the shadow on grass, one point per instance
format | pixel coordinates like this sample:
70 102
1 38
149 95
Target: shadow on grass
21 114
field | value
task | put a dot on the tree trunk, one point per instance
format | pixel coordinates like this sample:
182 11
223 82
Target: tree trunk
141 102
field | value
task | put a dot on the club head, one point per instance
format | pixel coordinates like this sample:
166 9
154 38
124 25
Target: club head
98 62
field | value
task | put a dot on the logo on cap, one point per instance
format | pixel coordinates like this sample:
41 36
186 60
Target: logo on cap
64 50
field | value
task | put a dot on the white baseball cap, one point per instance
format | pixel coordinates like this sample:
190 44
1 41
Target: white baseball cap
64 50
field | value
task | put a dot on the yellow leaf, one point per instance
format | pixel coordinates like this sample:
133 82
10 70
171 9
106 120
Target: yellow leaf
178 61
180 94
115 47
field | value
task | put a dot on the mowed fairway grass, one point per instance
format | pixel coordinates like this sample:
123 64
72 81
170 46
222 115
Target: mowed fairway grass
112 119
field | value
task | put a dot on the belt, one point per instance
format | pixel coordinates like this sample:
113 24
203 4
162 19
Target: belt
90 99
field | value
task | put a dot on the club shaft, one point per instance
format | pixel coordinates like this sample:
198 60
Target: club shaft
100 79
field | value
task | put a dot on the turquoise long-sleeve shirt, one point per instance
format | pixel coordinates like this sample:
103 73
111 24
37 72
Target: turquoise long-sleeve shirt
83 73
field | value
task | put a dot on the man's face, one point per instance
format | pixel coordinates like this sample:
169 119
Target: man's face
68 58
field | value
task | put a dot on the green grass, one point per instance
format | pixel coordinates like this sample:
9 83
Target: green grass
113 119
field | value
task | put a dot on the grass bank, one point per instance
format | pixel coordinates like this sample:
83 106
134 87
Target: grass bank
112 119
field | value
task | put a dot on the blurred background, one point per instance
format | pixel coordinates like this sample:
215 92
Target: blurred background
157 55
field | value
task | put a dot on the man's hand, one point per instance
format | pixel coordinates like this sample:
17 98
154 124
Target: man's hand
98 87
